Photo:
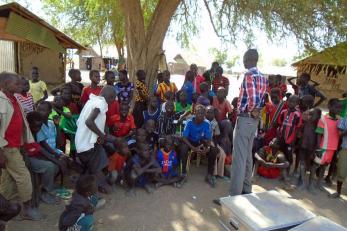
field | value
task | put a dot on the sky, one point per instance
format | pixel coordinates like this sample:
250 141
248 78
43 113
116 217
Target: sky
202 43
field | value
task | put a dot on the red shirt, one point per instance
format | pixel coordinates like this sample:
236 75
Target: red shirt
196 83
122 128
223 108
116 162
32 149
219 82
113 109
87 91
13 134
74 109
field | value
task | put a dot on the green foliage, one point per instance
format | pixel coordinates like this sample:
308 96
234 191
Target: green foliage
279 62
219 55
231 62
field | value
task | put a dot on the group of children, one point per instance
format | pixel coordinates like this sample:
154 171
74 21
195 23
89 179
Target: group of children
151 143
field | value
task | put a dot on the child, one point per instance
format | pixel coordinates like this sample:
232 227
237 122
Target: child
14 130
182 105
113 108
159 81
152 136
117 162
166 125
222 104
327 142
308 143
78 215
94 89
123 124
188 86
124 88
290 120
342 160
198 79
153 111
141 98
233 116
219 167
168 162
66 94
25 98
220 81
204 99
59 110
165 86
140 169
38 88
271 162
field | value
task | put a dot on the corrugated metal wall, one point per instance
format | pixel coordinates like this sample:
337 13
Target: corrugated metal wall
7 56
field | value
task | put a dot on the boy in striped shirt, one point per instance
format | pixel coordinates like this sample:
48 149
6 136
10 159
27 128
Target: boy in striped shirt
25 98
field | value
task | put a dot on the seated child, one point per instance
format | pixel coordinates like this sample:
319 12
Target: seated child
117 162
204 99
271 162
140 137
168 162
166 125
153 111
181 106
25 98
327 143
290 120
140 169
123 124
78 215
41 161
152 136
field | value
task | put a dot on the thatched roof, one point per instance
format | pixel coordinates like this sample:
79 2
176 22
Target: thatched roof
332 60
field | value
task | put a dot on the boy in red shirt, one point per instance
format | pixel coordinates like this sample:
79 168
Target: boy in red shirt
94 77
123 124
222 105
290 121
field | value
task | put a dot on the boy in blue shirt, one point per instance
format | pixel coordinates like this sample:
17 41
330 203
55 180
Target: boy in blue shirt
197 136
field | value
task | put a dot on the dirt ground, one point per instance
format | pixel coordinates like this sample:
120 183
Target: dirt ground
189 208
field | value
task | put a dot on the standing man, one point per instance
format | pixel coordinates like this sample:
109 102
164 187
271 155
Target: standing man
249 105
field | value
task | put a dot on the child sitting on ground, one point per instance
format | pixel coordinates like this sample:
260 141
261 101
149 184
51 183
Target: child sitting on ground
123 124
290 121
168 162
153 111
327 142
78 215
94 89
271 162
117 162
38 88
25 98
140 169
152 136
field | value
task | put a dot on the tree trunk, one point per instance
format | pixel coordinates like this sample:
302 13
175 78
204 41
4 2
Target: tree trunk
144 48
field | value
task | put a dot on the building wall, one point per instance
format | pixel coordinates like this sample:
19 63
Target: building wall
97 63
8 61
49 62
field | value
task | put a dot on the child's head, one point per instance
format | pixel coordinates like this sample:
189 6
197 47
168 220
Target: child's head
143 150
168 143
123 76
86 185
306 102
275 95
150 126
35 121
334 106
214 66
44 108
141 75
94 76
58 101
219 71
124 110
194 68
182 96
189 76
293 101
110 77
153 102
141 135
108 93
169 107
169 96
75 75
234 102
200 113
160 77
210 115
275 146
166 76
35 73
305 78
10 82
123 147
204 87
66 94
221 93
25 85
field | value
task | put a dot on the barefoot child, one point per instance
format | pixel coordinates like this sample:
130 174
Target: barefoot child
78 215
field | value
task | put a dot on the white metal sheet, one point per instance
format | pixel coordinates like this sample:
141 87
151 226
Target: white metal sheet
319 224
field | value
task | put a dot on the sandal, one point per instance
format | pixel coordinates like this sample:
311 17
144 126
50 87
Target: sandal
63 193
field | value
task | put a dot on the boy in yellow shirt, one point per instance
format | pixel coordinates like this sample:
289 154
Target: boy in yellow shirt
38 88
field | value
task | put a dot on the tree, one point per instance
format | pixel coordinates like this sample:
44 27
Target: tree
279 62
316 24
231 62
219 55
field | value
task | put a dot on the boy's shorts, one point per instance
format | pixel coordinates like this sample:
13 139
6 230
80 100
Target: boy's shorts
324 157
342 165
